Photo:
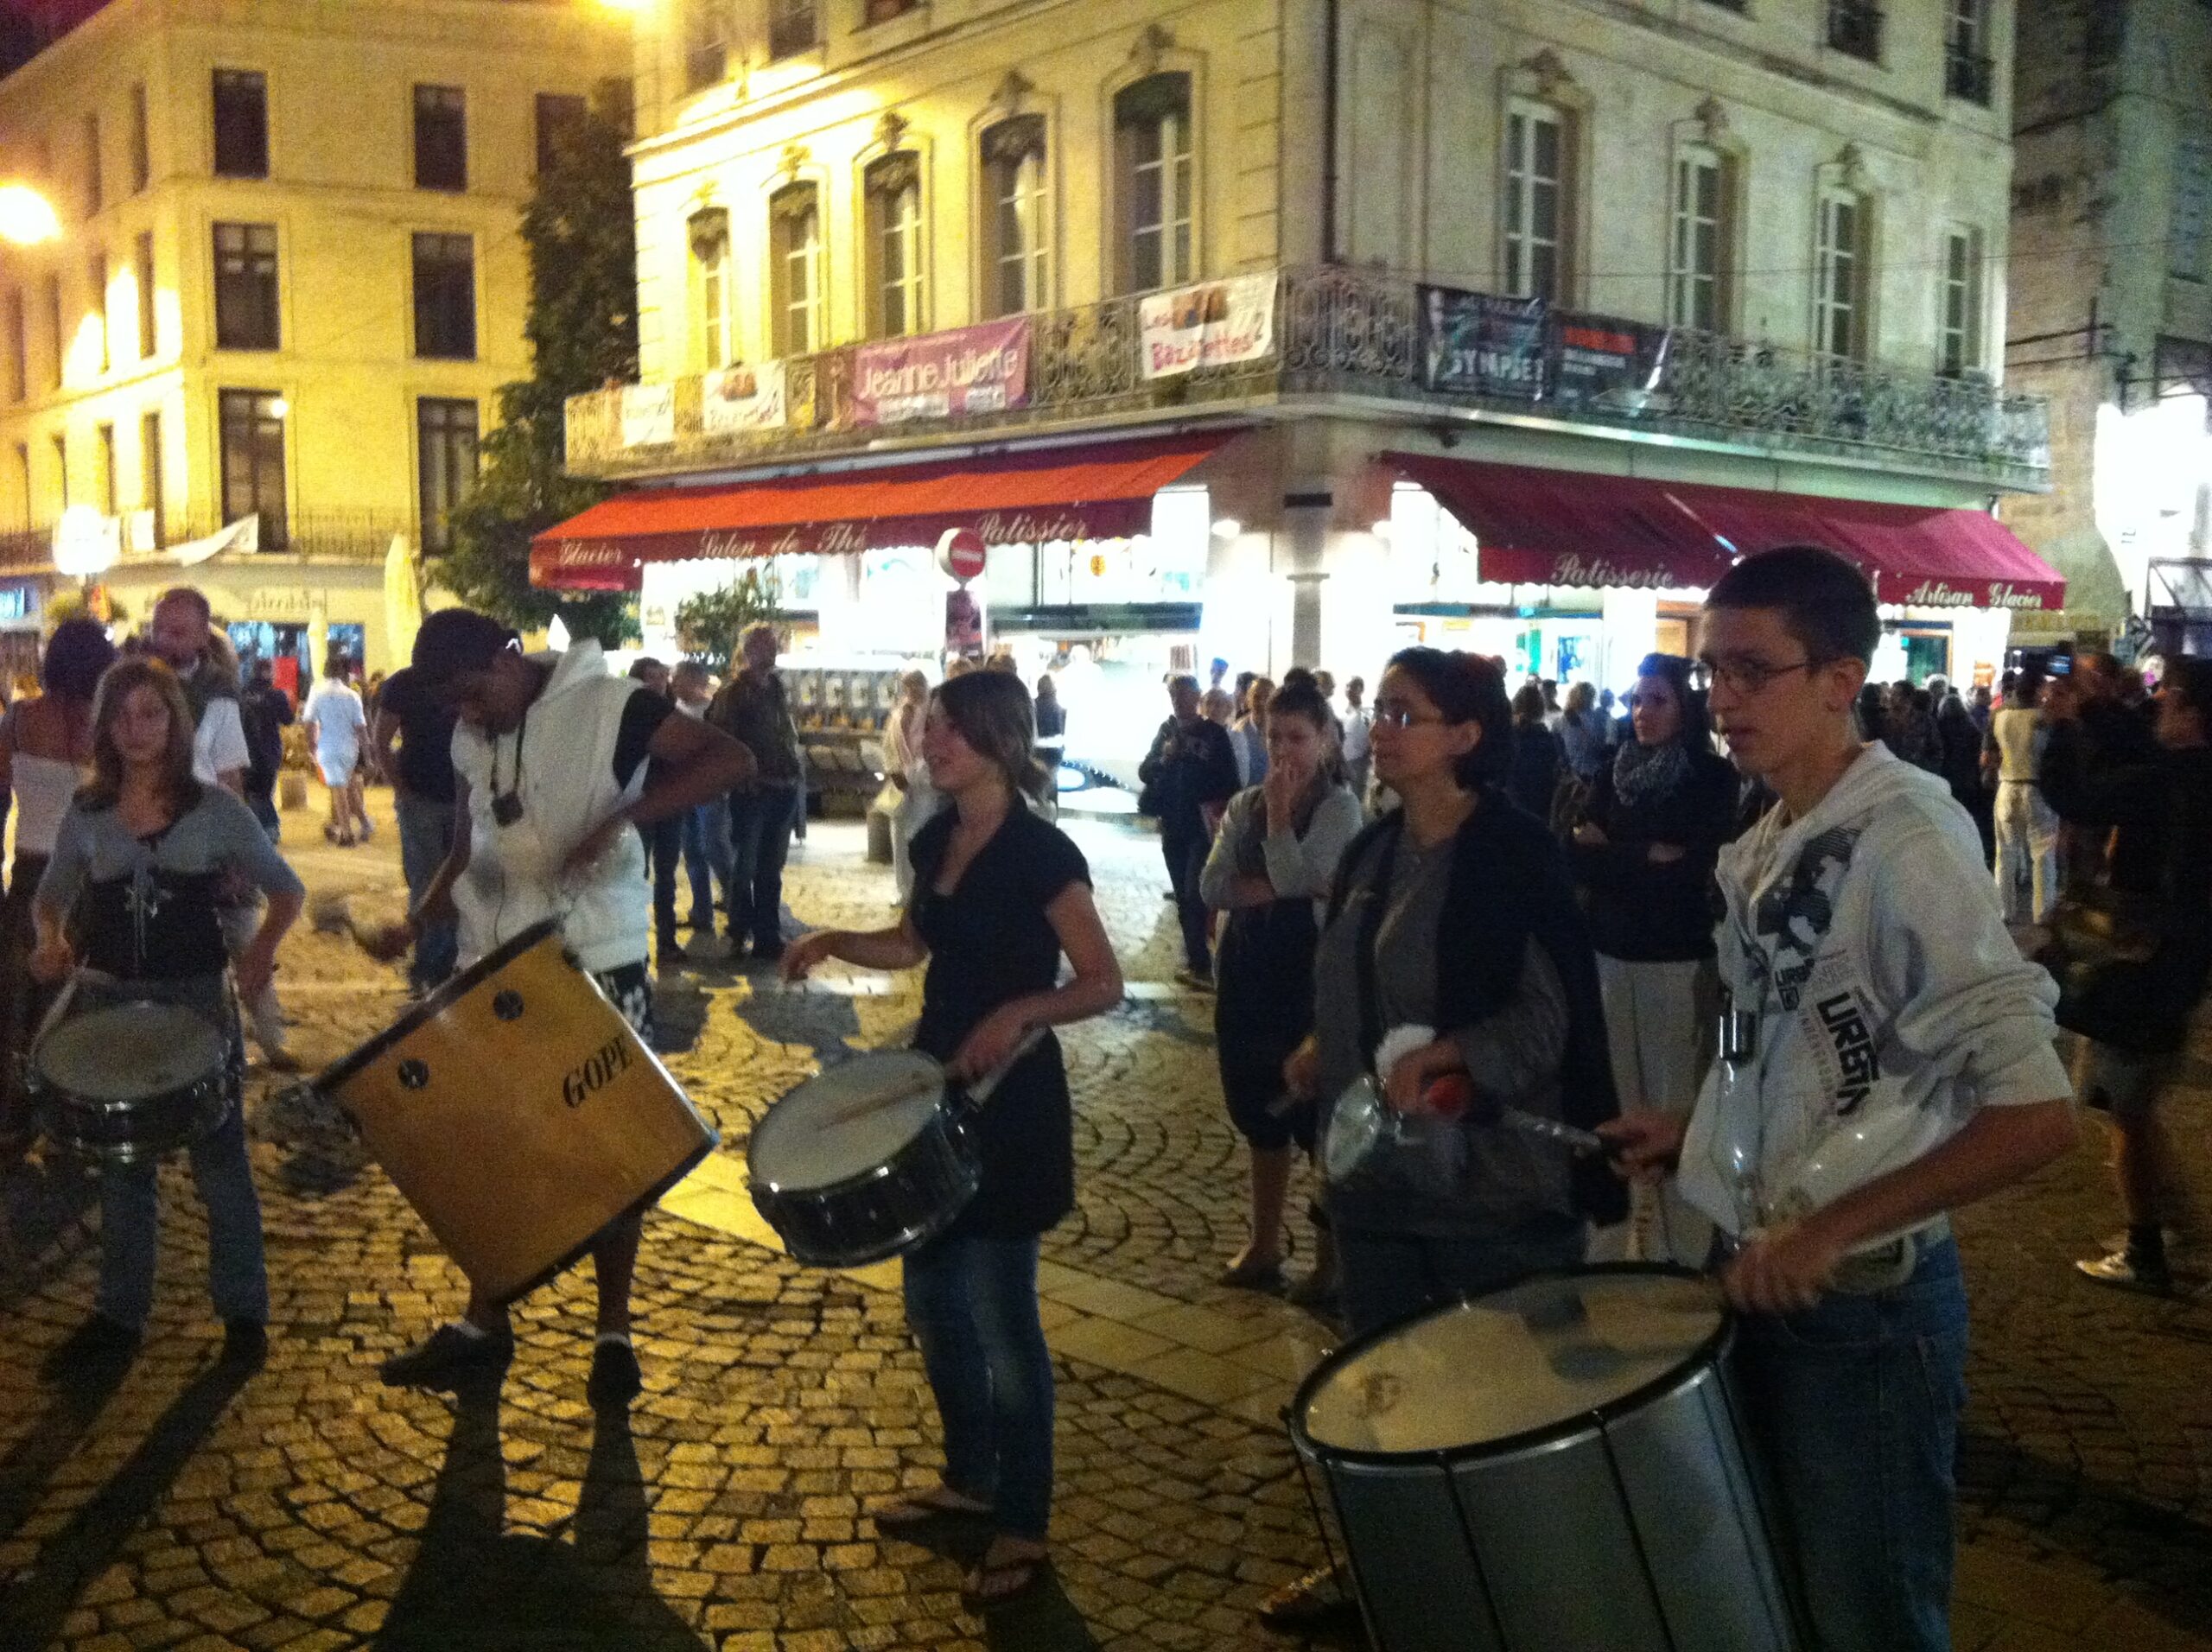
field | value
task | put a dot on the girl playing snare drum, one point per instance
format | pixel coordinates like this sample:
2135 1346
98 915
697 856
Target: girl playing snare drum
998 895
138 862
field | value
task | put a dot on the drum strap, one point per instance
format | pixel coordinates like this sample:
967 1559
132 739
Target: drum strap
1370 934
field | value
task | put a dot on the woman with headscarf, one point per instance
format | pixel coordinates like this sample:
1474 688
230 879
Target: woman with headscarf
1643 853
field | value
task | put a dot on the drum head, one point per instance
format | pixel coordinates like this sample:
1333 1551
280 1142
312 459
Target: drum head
846 1122
1518 1361
123 1052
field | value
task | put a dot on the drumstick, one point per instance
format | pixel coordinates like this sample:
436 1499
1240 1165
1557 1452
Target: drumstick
860 1109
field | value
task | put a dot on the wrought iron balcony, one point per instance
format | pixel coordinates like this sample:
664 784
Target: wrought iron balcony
1344 333
1967 74
310 536
1855 25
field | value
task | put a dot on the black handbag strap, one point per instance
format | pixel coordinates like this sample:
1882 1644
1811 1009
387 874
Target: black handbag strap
1370 932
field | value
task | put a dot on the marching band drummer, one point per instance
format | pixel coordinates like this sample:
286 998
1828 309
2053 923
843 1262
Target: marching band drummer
137 861
550 779
1000 893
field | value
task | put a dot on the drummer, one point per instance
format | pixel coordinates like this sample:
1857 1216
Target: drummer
136 864
998 895
1453 930
1863 934
549 756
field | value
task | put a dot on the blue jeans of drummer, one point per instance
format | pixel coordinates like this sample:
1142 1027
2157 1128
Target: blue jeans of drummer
426 827
971 1303
238 1275
1389 1277
1854 1404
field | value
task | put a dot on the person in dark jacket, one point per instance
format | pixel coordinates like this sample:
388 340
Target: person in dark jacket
1961 765
1533 777
1189 777
1643 853
2132 1009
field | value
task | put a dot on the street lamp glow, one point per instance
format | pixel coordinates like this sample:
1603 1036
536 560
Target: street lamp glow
26 217
280 409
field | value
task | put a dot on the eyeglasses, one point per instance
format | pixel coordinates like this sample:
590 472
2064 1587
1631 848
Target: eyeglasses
1397 714
1748 677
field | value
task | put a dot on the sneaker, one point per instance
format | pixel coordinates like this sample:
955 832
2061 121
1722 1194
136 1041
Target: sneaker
1193 981
1317 1601
615 1379
245 1343
2128 1273
97 1350
446 1354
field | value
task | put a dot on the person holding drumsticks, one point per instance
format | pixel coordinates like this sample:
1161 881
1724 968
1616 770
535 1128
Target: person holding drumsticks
551 780
138 862
1903 1066
1000 894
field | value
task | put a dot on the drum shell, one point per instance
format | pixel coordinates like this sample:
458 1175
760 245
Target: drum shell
520 1114
1642 1525
900 1205
141 1131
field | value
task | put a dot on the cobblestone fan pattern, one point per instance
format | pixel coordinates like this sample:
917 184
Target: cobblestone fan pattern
307 1507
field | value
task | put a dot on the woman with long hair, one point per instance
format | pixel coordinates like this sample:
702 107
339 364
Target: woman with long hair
137 861
45 744
1644 852
1533 780
1000 895
1270 871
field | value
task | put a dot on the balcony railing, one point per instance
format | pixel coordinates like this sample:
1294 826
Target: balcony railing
1341 332
1967 74
1855 25
311 535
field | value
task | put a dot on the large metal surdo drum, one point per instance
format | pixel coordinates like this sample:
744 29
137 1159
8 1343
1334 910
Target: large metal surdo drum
520 1114
1554 1466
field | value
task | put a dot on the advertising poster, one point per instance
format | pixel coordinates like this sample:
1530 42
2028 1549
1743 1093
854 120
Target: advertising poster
1483 345
1604 359
943 375
742 398
1215 325
648 415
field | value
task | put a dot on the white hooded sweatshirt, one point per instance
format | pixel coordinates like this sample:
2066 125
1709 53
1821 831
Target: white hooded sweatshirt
1892 1001
562 765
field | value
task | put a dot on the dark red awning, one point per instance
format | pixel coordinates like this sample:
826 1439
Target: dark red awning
1554 527
1098 489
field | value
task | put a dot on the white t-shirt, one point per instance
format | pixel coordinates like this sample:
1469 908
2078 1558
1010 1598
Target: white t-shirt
335 711
218 743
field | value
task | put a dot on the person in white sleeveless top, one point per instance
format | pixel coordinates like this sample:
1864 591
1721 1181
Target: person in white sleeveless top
2027 827
549 760
45 744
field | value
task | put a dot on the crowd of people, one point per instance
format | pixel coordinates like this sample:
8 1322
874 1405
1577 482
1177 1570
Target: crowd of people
1466 906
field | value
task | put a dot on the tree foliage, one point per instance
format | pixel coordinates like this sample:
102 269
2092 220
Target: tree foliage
713 623
583 332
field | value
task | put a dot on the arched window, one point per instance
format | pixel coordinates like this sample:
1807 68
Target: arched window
713 326
1017 218
892 191
795 269
1156 193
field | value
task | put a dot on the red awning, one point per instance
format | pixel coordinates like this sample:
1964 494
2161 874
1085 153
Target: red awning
1099 490
1555 527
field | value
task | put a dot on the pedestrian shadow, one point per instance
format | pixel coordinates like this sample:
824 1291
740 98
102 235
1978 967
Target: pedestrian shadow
2129 1538
37 1602
43 1206
45 1445
323 1150
475 1584
679 1013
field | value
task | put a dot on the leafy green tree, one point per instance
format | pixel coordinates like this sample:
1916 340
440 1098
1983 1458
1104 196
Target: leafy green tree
713 623
583 331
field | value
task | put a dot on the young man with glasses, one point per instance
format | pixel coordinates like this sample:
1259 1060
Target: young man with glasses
1901 1066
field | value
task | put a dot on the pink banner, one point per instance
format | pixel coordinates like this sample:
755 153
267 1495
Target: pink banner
943 375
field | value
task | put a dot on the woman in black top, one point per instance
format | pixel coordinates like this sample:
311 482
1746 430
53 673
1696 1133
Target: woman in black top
1533 777
1643 853
998 895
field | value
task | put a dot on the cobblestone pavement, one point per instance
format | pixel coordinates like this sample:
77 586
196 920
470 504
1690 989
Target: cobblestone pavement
309 1507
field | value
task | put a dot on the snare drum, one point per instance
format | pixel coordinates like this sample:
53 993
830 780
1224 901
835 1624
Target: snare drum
520 1114
1557 1464
128 1082
863 1161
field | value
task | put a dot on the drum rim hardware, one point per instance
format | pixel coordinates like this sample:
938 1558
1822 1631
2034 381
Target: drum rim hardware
1690 1366
205 1099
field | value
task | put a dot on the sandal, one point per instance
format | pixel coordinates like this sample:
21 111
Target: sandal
924 1509
1252 1276
989 1586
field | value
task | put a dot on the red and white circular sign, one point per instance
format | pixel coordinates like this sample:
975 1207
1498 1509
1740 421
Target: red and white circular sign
960 553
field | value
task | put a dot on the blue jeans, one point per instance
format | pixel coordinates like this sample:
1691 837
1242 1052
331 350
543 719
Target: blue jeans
1186 854
426 827
1393 1276
1854 1405
971 1303
760 840
663 841
706 851
237 1275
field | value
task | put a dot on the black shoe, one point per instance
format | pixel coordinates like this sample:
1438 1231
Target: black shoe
701 921
768 952
447 1355
615 1379
100 1350
669 952
245 1344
